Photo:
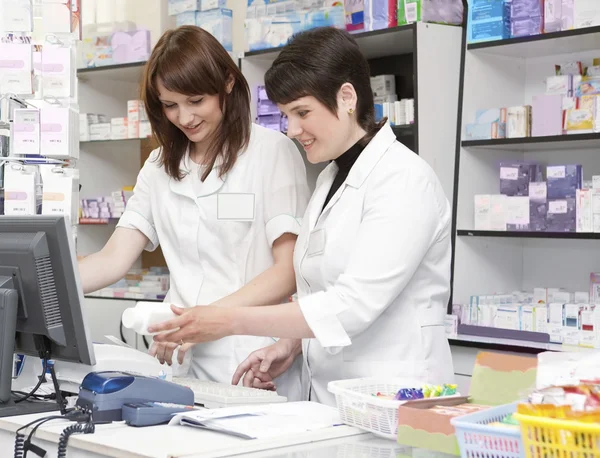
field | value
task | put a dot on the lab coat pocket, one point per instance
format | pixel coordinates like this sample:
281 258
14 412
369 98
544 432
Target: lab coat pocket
234 232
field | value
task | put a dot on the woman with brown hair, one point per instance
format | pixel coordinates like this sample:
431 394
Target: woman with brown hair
221 196
372 259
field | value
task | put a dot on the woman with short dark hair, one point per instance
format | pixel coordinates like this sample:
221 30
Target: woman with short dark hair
372 259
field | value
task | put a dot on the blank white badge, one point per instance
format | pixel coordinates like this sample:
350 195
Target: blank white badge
316 242
235 207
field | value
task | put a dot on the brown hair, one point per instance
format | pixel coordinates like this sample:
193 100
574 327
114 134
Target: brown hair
317 63
190 61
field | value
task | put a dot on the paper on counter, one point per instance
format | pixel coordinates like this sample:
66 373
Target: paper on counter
262 421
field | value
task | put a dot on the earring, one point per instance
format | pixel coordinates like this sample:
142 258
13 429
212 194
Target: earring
350 110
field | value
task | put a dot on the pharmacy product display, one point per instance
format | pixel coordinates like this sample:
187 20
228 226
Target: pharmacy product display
502 19
210 15
398 112
271 23
39 128
98 127
123 44
570 105
540 198
100 209
569 318
144 284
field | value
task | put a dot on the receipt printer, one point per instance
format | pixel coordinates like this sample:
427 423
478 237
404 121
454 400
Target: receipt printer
104 393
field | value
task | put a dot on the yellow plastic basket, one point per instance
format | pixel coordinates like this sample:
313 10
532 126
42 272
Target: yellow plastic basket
551 438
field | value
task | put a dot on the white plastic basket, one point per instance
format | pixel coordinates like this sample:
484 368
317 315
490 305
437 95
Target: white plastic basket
358 407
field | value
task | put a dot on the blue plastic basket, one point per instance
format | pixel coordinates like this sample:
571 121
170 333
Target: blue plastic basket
478 440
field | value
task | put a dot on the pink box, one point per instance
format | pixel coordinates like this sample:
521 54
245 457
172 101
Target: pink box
131 46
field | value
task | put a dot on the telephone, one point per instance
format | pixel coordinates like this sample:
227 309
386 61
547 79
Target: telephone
115 358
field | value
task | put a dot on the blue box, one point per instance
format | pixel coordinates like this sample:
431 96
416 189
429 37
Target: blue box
187 18
176 7
565 218
488 20
219 23
516 176
564 181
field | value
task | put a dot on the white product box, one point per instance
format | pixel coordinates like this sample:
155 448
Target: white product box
145 129
26 131
59 132
482 220
16 15
583 205
100 131
119 129
383 85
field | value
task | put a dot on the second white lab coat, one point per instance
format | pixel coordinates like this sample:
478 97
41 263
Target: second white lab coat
218 238
373 272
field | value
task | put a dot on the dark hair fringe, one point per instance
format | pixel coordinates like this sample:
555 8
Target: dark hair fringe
317 63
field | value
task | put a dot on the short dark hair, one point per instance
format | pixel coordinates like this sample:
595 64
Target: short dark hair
190 61
317 63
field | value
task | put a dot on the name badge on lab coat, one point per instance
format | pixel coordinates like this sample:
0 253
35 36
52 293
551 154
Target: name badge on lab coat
235 207
316 242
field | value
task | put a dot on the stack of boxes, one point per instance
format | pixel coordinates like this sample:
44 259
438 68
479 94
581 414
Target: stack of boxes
114 48
268 114
387 105
568 318
97 127
141 284
210 15
571 105
561 203
103 208
271 23
500 19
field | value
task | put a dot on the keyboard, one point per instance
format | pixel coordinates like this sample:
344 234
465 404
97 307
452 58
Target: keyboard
213 395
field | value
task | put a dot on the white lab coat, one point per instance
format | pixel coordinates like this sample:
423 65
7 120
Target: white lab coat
218 241
373 272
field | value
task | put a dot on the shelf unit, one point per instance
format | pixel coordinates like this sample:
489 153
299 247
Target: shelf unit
131 72
548 143
529 235
487 262
421 55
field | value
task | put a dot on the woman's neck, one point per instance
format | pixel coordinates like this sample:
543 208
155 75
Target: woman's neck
197 153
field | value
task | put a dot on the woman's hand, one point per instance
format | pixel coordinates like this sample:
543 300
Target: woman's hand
264 365
203 323
164 351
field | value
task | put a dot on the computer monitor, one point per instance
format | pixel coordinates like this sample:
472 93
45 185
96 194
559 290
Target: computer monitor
40 300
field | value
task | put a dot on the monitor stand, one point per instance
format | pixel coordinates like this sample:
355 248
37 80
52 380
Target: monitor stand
8 323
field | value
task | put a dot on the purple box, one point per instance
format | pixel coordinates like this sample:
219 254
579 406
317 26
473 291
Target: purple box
538 206
516 176
526 17
546 115
270 121
264 106
283 126
564 180
562 215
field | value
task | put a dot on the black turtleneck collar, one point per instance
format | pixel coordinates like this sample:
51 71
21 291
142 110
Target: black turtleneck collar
344 163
